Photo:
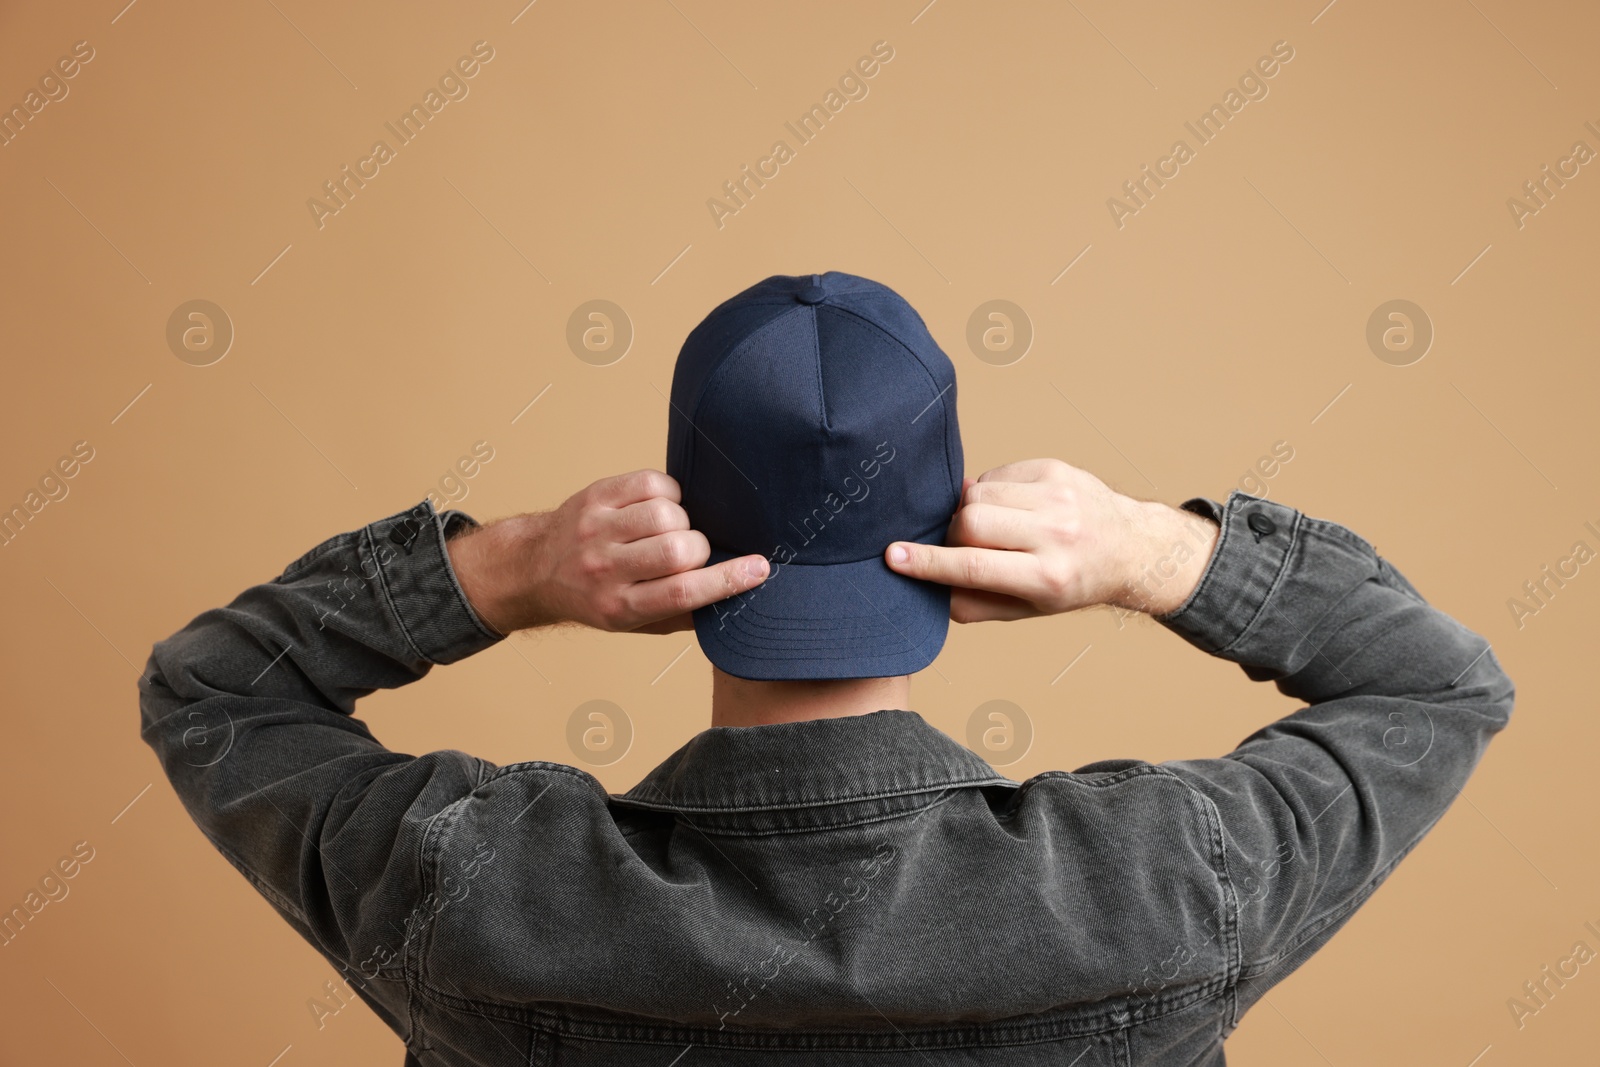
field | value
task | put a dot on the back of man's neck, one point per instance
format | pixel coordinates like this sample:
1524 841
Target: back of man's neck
742 702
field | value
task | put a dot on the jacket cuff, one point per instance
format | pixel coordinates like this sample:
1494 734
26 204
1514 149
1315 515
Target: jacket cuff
1247 564
421 585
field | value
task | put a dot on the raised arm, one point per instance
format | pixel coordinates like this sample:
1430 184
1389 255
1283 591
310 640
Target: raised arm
249 709
1316 808
249 706
1401 700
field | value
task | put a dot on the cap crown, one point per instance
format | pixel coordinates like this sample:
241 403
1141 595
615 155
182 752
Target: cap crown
817 412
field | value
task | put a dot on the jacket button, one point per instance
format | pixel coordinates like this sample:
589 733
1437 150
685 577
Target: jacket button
1261 525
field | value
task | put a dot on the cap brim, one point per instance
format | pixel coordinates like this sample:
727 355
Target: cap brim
811 621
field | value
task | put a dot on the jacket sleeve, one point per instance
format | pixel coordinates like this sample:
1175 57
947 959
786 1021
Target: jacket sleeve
1316 809
249 709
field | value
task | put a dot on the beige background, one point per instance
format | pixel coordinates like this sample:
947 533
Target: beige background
371 353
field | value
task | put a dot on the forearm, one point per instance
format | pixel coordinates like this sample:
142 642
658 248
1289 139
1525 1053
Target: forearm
372 608
1173 549
1309 604
497 565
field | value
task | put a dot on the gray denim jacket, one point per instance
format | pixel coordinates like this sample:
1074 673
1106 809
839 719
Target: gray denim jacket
856 891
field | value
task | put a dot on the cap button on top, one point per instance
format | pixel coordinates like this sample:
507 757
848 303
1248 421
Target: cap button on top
811 294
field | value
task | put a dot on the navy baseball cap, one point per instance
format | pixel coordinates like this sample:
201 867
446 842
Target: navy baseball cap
813 421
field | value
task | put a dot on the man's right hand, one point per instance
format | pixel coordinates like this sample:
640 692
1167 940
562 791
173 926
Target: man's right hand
1041 537
618 556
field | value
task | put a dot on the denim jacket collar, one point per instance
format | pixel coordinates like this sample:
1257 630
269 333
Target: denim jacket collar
817 762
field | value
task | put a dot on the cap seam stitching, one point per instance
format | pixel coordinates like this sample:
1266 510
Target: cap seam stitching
713 381
949 465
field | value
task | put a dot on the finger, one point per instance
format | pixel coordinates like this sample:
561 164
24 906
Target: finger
1024 470
663 554
993 526
666 626
975 605
998 571
644 518
1024 495
630 488
676 594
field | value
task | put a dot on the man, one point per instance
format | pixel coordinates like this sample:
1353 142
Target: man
821 876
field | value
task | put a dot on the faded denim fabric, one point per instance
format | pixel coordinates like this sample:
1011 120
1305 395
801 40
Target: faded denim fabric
856 891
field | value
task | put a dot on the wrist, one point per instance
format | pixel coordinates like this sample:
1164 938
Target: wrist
496 566
1171 550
